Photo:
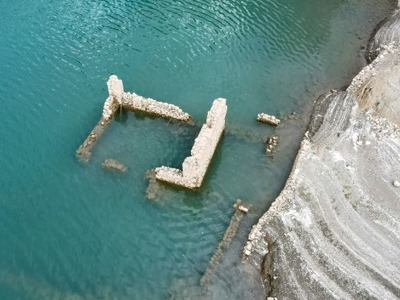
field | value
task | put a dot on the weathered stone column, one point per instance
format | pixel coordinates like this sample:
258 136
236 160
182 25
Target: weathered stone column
118 98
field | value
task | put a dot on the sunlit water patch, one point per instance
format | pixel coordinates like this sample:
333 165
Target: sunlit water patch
78 231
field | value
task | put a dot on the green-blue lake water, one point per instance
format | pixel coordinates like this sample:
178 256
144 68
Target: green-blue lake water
70 230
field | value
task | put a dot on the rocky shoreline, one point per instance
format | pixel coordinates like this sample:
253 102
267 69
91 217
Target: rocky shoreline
334 231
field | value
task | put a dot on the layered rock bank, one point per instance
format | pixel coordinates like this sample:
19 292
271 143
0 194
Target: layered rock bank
334 231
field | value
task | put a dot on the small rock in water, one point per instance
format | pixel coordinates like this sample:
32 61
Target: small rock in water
269 119
396 183
114 164
243 209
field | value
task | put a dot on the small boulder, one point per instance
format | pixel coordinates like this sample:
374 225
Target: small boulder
114 164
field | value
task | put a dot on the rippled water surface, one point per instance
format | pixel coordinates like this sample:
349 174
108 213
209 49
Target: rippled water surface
77 231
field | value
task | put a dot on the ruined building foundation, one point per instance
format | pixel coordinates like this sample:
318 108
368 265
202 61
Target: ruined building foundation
119 99
195 166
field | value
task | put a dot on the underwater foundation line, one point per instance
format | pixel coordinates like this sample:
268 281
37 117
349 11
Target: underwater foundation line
230 232
194 167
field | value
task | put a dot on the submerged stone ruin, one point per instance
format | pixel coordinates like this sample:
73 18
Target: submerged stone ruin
134 102
195 166
114 165
269 119
272 143
240 211
334 231
118 99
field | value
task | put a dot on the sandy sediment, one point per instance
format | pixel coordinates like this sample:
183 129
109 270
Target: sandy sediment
334 231
195 166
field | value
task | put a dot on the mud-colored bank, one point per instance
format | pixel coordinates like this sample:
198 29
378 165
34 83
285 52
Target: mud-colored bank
334 231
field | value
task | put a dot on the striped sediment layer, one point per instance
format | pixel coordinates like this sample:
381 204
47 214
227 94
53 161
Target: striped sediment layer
334 231
387 33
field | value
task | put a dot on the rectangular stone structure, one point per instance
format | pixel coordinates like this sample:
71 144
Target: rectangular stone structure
194 167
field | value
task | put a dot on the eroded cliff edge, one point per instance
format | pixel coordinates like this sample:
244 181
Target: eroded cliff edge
334 231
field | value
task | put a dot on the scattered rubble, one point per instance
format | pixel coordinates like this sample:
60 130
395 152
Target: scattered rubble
272 143
269 119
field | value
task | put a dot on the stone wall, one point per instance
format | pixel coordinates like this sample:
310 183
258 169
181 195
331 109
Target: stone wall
195 166
134 102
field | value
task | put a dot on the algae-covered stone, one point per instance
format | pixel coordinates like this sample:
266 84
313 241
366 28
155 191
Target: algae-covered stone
114 164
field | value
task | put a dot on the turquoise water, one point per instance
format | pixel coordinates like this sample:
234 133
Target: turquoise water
77 231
